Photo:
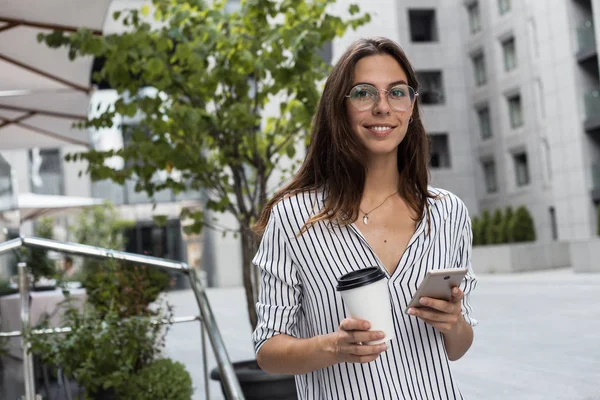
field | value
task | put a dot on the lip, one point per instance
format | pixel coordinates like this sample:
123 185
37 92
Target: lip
380 133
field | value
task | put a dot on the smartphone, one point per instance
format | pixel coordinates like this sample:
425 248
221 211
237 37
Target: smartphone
438 284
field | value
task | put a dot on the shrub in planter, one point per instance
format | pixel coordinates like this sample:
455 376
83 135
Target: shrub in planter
38 262
522 227
508 216
102 351
161 379
475 223
485 222
494 234
598 228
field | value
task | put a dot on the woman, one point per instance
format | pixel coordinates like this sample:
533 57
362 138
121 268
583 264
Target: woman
361 198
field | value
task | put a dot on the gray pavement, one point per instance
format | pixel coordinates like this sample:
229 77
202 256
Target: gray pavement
538 337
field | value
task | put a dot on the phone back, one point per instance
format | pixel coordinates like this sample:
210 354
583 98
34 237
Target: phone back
438 284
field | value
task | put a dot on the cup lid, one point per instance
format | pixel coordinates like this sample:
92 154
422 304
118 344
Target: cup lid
359 278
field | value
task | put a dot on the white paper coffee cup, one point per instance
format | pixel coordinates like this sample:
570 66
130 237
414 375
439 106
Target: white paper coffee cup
366 296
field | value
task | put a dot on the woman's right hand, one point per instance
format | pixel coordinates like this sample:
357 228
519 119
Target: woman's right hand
349 339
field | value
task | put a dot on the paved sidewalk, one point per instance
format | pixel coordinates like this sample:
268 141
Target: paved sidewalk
538 337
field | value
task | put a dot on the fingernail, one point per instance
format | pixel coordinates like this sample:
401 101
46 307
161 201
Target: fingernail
424 301
383 347
380 335
455 291
365 325
411 311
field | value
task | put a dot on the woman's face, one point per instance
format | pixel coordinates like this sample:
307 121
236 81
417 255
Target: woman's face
380 128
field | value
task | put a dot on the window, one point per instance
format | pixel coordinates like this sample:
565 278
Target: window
440 151
489 174
521 169
431 87
515 111
510 54
46 175
479 68
422 26
474 18
503 6
485 127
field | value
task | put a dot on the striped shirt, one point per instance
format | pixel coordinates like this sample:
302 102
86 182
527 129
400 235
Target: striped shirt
298 297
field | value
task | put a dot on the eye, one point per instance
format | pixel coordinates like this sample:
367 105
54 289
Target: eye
399 92
361 93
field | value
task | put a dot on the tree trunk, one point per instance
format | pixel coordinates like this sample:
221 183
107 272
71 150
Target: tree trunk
249 248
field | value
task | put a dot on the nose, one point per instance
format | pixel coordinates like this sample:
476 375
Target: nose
382 106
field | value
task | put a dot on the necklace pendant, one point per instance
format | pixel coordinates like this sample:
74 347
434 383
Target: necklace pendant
366 219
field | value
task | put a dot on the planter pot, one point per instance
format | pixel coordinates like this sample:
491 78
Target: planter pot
258 385
520 257
585 255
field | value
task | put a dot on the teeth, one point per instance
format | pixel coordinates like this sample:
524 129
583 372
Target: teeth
380 128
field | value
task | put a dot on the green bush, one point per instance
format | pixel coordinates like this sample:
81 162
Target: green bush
162 379
522 227
38 262
508 216
493 230
598 230
475 223
485 222
101 351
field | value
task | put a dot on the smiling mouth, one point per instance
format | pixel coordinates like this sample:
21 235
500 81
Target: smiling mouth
380 129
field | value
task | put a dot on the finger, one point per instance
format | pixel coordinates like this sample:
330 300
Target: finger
363 359
440 305
433 315
440 326
353 324
365 336
365 349
457 295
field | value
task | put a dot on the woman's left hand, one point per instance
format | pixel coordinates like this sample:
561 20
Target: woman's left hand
441 314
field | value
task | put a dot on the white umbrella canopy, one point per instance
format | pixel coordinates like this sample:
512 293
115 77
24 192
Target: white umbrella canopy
42 92
32 206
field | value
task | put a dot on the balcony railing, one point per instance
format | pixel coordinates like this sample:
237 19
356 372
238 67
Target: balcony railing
586 39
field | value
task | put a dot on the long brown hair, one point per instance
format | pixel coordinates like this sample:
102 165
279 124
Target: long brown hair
335 154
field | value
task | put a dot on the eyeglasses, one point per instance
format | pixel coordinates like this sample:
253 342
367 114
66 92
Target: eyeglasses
364 97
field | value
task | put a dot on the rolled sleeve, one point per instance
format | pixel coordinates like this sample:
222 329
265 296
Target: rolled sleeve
470 282
280 286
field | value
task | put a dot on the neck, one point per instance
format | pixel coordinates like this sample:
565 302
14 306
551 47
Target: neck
381 179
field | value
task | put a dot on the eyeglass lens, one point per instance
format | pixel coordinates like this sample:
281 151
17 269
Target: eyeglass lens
400 97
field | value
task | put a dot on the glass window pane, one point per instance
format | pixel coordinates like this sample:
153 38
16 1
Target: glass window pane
484 123
489 174
474 22
515 112
510 54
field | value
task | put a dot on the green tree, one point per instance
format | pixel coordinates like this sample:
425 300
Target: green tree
215 72
508 216
522 226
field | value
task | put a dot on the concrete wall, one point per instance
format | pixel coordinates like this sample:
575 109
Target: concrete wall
520 257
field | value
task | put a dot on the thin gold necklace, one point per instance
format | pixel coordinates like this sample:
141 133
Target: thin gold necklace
366 214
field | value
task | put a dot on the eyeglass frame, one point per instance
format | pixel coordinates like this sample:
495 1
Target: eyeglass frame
386 96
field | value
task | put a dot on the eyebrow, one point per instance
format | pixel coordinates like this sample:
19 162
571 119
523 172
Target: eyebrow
400 82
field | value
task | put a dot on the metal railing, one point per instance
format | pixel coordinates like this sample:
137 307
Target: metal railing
207 320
